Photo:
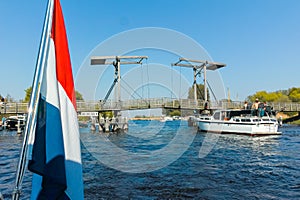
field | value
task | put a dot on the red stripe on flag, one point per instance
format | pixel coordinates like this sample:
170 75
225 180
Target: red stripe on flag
63 62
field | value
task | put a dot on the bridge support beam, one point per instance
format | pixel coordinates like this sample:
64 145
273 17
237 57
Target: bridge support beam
195 84
199 65
116 62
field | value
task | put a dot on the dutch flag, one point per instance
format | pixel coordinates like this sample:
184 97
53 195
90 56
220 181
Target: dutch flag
54 146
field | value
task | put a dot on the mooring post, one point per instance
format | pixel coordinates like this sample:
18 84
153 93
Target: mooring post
19 131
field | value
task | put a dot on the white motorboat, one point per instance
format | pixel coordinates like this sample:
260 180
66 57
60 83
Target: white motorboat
238 122
12 122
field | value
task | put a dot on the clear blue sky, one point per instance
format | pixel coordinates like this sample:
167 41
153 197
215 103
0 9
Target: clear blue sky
259 40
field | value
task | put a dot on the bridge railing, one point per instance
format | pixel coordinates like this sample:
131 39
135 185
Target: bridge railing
290 107
231 104
278 106
92 106
83 106
161 103
13 107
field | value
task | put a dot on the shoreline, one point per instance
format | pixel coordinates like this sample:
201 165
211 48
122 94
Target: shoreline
145 118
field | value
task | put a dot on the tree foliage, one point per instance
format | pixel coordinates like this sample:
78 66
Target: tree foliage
106 114
200 92
27 94
171 112
79 96
294 94
175 113
290 95
29 90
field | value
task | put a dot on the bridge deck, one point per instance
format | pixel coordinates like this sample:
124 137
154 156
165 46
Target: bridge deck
138 104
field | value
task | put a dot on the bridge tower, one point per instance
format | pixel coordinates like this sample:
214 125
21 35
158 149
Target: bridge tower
199 66
116 61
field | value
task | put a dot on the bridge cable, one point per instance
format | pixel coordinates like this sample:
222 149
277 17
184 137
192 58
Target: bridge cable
180 83
134 92
201 95
172 83
201 92
148 83
210 89
142 75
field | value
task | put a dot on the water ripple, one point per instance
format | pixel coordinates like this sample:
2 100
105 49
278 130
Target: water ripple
238 167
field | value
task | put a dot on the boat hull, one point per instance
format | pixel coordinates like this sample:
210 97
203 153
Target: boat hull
252 129
12 124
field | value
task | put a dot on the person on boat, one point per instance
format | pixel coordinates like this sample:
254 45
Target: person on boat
206 105
2 102
205 110
255 108
3 121
249 106
267 109
245 105
261 109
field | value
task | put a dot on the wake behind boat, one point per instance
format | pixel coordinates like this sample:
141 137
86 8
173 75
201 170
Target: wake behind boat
238 122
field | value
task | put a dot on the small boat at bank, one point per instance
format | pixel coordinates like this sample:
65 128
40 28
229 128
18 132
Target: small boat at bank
165 119
12 122
238 122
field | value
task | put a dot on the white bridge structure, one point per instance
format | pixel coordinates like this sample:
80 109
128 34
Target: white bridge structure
90 108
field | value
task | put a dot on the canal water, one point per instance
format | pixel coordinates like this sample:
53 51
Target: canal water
156 160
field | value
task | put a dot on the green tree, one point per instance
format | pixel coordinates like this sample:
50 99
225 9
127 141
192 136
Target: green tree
79 96
171 112
278 96
283 99
175 113
261 95
294 94
200 92
9 98
29 90
108 114
27 94
285 92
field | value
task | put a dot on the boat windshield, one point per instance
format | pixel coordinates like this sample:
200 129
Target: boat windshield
217 115
239 113
222 115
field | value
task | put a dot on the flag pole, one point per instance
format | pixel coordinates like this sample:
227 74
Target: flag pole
32 108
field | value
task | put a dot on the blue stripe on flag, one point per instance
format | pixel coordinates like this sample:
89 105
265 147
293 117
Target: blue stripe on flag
48 159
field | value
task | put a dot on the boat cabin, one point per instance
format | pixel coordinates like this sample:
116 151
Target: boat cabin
228 114
238 116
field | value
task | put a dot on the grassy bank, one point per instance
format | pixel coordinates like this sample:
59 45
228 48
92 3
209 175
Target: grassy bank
295 122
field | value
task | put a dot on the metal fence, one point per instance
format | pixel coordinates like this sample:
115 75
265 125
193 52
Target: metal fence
14 107
132 104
